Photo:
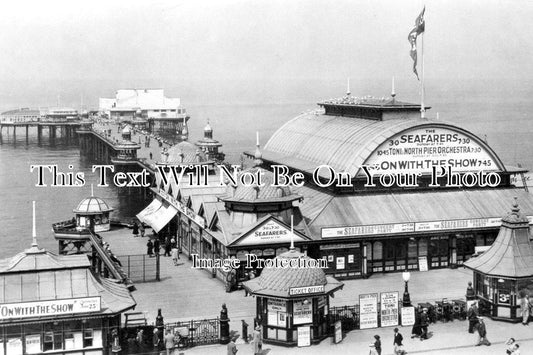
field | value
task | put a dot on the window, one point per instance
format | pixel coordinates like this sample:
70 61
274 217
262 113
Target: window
377 251
53 341
87 338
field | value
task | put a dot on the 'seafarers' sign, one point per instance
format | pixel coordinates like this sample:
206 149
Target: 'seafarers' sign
418 150
270 232
306 290
50 308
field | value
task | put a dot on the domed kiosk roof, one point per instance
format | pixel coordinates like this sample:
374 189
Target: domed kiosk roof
186 153
257 194
281 281
92 205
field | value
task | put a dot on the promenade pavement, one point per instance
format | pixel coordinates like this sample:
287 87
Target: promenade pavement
185 293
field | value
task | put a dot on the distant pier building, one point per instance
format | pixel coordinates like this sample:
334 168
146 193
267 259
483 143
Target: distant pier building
162 113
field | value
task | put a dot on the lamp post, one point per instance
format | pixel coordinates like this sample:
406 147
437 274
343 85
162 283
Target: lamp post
406 298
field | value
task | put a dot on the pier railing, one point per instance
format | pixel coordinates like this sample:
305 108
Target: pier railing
141 267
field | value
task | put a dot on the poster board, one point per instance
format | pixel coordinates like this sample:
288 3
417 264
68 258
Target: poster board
338 332
368 311
423 263
389 309
304 336
302 312
408 316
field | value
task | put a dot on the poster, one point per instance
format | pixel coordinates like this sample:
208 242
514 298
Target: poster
340 263
408 316
338 332
350 258
304 336
302 312
276 312
423 263
33 344
14 346
368 311
389 309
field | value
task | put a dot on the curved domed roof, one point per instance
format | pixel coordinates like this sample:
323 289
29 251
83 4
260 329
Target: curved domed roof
278 281
282 279
344 143
254 193
185 153
92 205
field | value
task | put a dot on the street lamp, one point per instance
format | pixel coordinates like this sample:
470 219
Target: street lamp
406 298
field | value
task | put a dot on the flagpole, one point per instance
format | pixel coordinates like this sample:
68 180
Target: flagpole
422 107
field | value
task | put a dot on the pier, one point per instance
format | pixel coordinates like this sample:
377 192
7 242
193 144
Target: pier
55 129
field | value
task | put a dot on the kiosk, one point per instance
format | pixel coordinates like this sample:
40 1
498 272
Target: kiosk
293 302
504 273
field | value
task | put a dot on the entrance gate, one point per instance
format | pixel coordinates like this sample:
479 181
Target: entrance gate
348 315
196 332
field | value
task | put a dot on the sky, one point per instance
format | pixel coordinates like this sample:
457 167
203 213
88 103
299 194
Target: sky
82 50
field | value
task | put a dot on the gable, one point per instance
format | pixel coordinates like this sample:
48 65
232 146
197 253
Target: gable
271 231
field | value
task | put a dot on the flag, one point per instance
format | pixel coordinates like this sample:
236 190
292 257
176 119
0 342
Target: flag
418 29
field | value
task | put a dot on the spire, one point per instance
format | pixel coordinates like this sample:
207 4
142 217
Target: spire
92 190
348 88
258 161
34 233
34 249
292 233
393 92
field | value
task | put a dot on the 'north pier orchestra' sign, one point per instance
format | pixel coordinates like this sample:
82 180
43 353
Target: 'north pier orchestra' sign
419 150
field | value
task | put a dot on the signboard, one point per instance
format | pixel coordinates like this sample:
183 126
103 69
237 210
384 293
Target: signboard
368 311
458 224
452 224
304 336
277 312
302 312
423 263
305 290
389 309
419 149
368 230
275 305
186 211
270 232
408 316
49 308
338 332
504 297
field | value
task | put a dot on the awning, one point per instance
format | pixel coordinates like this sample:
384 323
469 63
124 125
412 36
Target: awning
161 217
151 208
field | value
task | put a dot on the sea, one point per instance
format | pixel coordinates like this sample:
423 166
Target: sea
498 111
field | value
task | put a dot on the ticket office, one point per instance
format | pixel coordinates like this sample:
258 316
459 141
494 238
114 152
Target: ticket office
83 337
284 316
440 250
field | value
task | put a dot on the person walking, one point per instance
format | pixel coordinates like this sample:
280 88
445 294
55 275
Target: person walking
398 343
482 331
515 350
416 331
156 247
524 309
232 347
169 342
150 248
135 229
377 344
168 246
141 229
510 346
372 349
472 314
257 340
175 255
424 322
